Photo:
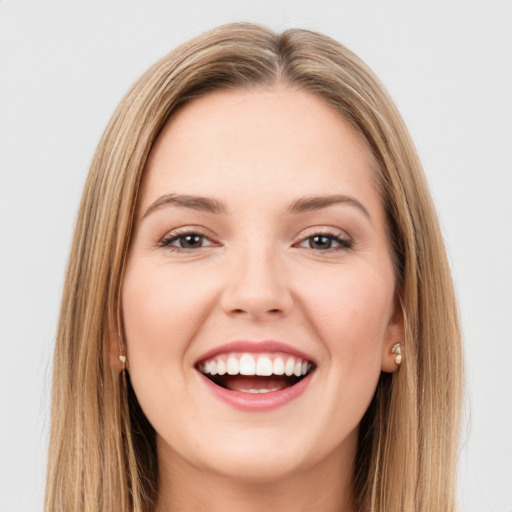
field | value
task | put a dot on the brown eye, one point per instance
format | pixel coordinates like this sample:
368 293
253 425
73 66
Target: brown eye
320 242
185 241
325 241
190 241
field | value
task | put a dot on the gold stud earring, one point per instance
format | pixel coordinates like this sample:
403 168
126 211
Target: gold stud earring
398 352
123 360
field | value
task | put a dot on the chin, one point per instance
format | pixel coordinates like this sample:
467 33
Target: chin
258 466
259 456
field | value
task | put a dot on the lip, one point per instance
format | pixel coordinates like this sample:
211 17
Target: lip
255 402
253 347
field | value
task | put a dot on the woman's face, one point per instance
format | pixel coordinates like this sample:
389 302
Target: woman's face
260 253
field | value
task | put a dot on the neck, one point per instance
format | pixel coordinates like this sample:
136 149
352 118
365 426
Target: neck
324 487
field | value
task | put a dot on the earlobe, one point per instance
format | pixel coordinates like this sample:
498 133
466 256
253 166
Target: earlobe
117 354
393 347
397 350
392 358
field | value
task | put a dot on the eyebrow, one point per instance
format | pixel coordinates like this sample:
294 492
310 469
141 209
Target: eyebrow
308 204
211 205
205 204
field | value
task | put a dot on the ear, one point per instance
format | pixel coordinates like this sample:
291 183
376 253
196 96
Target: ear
395 333
116 349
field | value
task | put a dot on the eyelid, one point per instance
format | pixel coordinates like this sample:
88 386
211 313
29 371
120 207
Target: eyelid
344 240
325 230
177 233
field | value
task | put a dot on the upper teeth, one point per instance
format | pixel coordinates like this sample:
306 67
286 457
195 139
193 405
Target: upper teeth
250 364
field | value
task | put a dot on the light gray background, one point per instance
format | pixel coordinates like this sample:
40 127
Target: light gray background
64 67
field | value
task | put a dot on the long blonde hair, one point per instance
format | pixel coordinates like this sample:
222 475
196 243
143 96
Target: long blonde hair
102 450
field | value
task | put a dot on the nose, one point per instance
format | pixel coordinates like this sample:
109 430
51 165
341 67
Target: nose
257 287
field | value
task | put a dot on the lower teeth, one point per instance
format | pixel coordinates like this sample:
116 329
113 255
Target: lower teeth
256 391
254 384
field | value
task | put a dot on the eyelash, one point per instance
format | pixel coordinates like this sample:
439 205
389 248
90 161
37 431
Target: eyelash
344 242
177 235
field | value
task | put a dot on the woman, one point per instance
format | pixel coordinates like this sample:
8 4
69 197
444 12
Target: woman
258 309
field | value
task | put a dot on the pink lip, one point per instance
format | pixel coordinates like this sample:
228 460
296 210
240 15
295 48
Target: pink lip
253 402
269 346
256 402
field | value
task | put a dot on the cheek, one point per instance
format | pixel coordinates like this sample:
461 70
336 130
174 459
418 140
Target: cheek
350 312
351 306
160 314
156 304
349 309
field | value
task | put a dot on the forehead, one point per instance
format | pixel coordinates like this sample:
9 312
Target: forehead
235 144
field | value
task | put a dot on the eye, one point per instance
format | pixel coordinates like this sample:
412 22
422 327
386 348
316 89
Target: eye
185 241
325 242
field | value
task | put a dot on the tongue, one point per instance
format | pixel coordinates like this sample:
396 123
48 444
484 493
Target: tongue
252 383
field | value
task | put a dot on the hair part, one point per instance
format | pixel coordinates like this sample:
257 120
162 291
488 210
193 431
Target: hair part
102 448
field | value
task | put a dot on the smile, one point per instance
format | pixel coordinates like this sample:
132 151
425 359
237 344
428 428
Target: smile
254 379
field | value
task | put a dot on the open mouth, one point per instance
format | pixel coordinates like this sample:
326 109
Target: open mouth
255 373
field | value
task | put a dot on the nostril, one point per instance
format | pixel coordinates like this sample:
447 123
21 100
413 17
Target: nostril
240 310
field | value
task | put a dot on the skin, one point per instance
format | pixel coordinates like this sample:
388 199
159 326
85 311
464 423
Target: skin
257 274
